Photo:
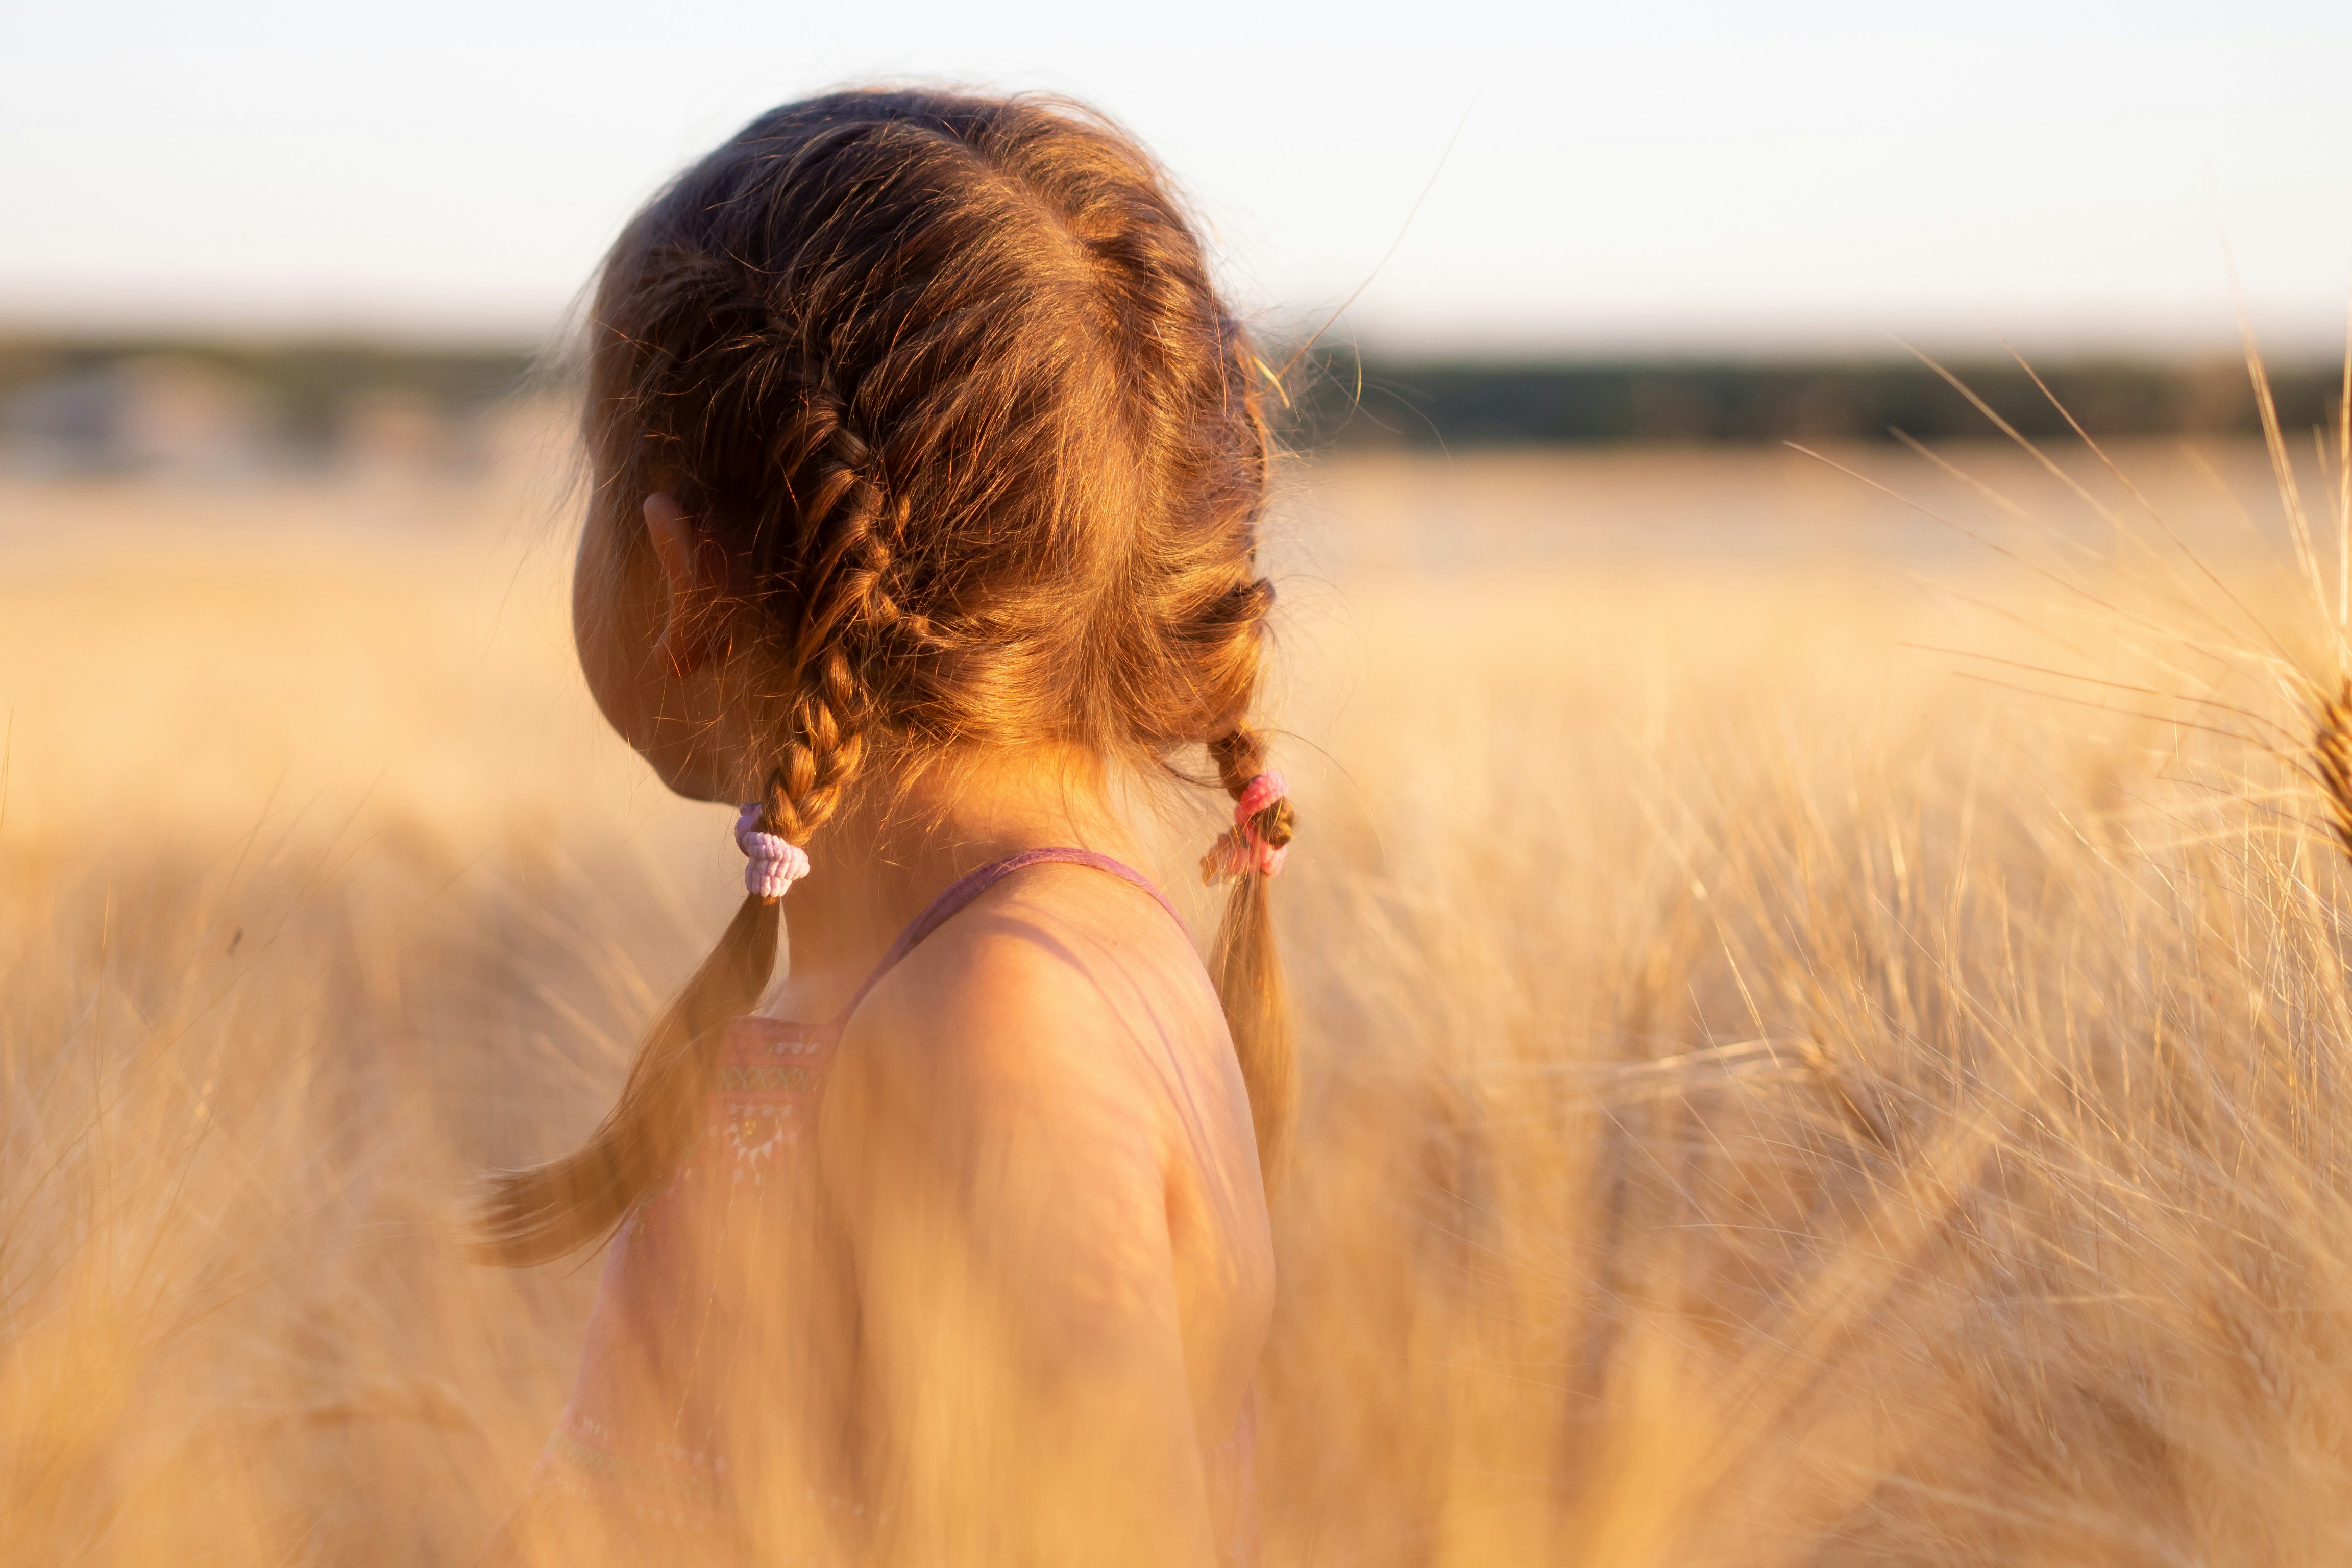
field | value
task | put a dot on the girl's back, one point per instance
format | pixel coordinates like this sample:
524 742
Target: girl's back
928 468
1059 1053
1036 1080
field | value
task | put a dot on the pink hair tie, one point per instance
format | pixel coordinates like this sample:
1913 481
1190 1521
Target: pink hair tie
1242 848
776 862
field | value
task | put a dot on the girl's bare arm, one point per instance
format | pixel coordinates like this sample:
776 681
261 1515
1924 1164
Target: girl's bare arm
1000 1165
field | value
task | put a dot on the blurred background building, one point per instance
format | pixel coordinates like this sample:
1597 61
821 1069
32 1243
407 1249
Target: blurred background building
224 407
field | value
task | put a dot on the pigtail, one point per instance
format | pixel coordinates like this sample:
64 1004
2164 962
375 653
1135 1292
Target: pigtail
1243 962
547 1211
544 1212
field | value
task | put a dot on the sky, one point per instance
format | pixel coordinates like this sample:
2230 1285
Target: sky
1495 179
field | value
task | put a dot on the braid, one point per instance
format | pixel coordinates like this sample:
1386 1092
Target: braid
1240 756
1248 970
545 1212
839 565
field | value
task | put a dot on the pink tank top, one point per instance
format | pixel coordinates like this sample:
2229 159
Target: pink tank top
701 1309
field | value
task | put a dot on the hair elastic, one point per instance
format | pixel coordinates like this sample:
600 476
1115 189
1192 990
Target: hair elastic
1242 848
775 861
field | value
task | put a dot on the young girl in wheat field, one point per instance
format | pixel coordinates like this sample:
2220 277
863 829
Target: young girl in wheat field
928 472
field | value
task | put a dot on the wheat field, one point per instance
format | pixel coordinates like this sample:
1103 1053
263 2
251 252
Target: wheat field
1776 1091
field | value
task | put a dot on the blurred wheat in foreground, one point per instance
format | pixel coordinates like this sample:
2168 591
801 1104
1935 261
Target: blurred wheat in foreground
1769 1100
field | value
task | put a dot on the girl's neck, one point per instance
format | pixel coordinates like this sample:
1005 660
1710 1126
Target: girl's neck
899 842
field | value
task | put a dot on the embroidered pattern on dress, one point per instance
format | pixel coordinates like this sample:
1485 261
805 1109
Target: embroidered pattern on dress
760 1078
760 1088
756 1131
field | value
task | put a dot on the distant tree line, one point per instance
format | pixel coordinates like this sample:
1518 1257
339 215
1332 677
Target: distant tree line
1340 401
1456 403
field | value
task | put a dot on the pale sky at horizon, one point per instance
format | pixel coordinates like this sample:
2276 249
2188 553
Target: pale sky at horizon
1692 178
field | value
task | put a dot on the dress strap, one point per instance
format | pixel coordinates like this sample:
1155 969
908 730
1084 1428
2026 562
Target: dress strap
970 886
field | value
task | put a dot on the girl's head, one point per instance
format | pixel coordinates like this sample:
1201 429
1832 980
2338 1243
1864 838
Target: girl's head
938 395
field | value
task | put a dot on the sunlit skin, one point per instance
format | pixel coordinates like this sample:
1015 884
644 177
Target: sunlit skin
1036 1120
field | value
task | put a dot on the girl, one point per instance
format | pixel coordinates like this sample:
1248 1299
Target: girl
927 474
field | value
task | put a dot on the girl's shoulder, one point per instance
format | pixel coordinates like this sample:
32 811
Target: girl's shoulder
1060 998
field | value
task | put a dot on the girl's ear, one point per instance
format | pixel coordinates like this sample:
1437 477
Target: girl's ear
691 579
